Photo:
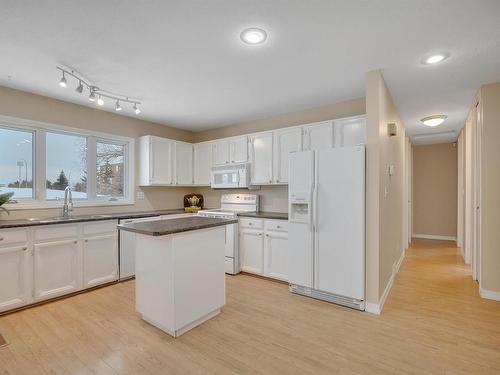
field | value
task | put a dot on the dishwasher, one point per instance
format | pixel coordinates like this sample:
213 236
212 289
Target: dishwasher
127 244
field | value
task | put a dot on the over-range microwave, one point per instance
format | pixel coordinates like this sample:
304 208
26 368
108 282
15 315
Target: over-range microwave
231 176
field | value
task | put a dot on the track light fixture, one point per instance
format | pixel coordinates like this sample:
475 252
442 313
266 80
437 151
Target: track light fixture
95 93
79 88
63 82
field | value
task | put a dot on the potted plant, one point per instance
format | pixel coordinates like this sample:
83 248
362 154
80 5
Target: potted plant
6 198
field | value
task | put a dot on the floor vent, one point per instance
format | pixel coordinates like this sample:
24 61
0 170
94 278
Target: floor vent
3 342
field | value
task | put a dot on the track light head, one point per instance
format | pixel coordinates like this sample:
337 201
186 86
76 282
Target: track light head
92 96
63 82
118 107
79 88
100 101
136 110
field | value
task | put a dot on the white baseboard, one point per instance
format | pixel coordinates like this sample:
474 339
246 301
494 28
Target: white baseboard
489 294
434 237
376 308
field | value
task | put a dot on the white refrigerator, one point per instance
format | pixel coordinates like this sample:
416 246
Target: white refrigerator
327 225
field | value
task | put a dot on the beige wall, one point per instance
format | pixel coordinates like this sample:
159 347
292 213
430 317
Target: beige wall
490 188
33 107
435 190
338 110
384 193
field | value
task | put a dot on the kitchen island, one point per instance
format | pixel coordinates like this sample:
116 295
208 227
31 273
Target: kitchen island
179 271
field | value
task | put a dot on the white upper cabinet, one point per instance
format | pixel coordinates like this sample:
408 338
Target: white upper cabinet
261 158
285 141
156 164
318 136
220 152
183 163
349 132
202 163
238 149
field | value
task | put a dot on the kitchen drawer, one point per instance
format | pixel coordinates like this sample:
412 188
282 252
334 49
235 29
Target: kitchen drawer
55 231
276 225
97 227
13 236
251 223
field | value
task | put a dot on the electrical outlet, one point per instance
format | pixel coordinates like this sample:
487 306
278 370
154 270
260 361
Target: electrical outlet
140 194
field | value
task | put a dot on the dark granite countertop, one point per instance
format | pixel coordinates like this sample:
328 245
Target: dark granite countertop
81 218
171 226
265 215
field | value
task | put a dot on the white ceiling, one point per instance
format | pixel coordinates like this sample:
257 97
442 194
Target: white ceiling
185 61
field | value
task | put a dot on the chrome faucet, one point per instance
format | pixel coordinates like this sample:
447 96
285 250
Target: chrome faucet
68 202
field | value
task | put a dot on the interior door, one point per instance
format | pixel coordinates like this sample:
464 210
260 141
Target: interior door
239 149
14 281
339 220
162 161
262 158
286 141
56 268
100 261
183 163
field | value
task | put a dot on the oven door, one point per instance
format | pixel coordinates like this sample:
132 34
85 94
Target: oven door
225 179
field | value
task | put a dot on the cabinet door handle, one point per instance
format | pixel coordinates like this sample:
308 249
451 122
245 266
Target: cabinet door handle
260 234
25 248
277 226
1 238
86 240
267 235
250 224
75 242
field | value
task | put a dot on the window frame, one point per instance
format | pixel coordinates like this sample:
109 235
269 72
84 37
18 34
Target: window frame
39 130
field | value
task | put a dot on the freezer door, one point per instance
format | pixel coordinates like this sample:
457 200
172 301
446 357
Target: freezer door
339 221
300 236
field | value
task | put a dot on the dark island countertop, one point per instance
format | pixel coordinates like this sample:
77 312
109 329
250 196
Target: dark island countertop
171 226
82 218
265 215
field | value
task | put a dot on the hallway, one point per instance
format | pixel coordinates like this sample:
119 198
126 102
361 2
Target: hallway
434 322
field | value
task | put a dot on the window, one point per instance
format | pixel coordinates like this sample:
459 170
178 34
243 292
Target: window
110 162
66 165
16 163
96 166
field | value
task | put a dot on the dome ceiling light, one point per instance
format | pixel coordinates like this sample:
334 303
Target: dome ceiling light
433 120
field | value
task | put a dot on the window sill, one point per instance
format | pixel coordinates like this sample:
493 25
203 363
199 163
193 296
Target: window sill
34 205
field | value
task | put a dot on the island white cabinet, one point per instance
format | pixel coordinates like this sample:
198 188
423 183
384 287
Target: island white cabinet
261 158
285 141
318 136
263 247
202 163
15 269
156 161
183 163
55 266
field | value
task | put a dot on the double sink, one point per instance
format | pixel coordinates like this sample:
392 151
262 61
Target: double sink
66 218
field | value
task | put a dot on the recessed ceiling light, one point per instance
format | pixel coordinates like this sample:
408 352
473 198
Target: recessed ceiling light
253 36
434 120
435 59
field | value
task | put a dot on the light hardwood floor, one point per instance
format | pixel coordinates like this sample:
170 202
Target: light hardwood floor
434 322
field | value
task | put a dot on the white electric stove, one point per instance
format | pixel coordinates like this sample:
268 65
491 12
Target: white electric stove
230 206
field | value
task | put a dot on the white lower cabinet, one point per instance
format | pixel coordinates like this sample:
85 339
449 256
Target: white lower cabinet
100 260
275 255
252 250
15 270
55 266
263 247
